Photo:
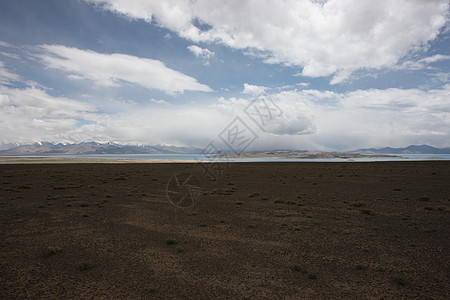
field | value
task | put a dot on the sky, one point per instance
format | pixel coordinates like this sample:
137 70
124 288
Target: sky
332 75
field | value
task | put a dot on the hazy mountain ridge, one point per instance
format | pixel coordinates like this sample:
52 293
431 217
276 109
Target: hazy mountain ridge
301 154
412 149
42 148
95 148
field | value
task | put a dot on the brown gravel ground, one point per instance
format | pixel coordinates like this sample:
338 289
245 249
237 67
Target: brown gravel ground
262 230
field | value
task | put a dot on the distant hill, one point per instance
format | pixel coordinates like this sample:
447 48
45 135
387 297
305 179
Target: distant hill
301 154
412 149
43 148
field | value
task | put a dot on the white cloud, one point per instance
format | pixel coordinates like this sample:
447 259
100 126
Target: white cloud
280 115
117 69
434 58
293 122
335 37
254 89
293 125
441 77
6 76
160 101
328 120
203 53
5 44
311 119
4 100
394 117
422 63
9 53
30 114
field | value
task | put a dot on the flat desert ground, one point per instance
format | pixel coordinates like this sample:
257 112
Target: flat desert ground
261 230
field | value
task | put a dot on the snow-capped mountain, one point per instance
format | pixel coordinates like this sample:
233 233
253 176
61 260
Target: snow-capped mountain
94 148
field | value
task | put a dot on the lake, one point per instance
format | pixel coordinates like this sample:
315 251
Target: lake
200 157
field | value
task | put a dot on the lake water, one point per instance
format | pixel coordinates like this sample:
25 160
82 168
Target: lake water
200 157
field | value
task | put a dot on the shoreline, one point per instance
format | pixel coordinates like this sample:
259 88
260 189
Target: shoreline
67 160
75 160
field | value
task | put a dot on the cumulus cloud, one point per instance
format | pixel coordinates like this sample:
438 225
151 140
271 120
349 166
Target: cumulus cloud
200 52
273 115
117 69
254 89
323 38
291 124
295 117
203 53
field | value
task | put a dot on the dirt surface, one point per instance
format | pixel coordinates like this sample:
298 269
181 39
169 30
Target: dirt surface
262 230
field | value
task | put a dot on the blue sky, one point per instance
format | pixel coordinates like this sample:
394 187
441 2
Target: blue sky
345 74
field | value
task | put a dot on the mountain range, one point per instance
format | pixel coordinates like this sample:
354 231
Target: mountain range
42 148
412 149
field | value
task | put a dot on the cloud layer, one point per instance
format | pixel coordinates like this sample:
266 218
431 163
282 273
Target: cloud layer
31 114
311 119
117 69
323 38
